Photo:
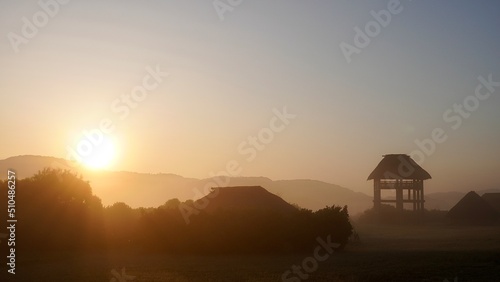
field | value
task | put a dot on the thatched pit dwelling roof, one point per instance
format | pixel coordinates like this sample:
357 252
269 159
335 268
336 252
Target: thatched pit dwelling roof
399 166
472 208
245 198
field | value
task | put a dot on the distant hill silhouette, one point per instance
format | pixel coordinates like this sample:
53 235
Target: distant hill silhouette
27 166
246 198
153 190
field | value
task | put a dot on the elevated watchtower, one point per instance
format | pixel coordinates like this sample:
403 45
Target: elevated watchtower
401 173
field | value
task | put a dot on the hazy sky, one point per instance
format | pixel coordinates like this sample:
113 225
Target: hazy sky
228 72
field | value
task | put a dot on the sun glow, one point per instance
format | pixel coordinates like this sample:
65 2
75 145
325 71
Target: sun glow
102 155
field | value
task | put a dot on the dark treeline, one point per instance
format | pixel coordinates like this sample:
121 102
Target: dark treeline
56 210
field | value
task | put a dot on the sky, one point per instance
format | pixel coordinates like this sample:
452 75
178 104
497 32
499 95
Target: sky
234 67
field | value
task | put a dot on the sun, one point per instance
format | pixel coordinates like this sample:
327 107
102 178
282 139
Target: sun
102 155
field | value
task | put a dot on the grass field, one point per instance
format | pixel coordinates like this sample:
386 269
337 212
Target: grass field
385 253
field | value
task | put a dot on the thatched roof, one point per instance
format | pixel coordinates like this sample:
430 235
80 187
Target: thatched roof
472 208
398 166
245 198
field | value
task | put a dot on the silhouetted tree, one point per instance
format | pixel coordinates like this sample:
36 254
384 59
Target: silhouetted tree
56 210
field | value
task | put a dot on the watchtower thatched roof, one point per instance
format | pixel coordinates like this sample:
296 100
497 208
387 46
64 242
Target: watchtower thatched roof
398 166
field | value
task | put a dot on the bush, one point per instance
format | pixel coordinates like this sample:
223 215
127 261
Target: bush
57 211
243 231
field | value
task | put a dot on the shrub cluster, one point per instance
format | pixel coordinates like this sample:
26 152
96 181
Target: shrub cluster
56 210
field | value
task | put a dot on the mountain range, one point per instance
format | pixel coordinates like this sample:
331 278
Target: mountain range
153 190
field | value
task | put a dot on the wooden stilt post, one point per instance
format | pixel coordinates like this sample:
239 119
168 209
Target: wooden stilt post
399 195
376 194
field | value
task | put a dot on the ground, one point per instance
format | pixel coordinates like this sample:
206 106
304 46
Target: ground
385 253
